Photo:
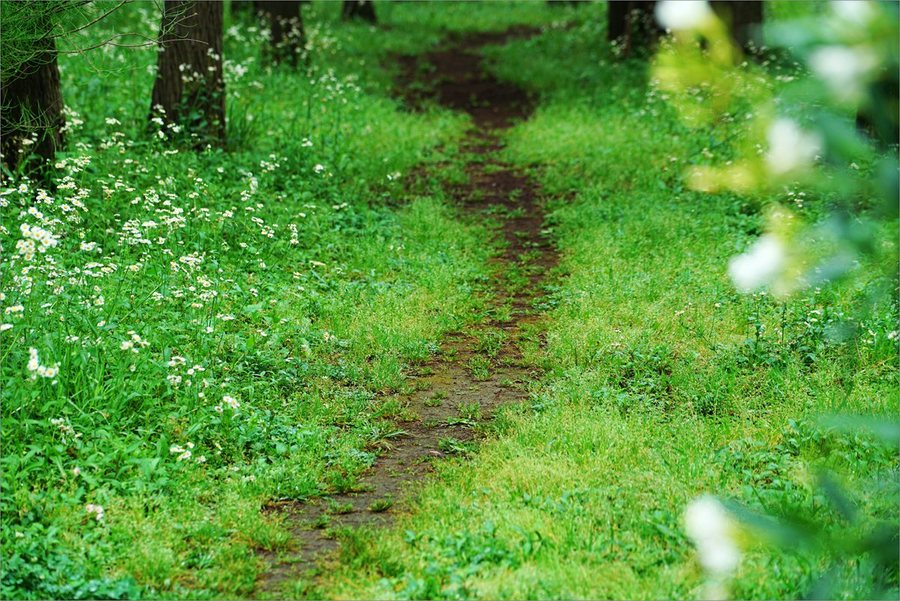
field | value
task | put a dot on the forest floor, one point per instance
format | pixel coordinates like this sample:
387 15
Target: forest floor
444 320
476 370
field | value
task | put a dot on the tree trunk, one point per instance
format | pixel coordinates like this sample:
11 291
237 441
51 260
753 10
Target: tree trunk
359 9
31 105
878 118
285 20
744 20
632 24
189 90
616 20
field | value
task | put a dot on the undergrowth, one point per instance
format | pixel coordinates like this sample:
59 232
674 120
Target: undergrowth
662 382
190 335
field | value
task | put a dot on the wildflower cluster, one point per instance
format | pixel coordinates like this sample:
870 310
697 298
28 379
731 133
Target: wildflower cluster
36 369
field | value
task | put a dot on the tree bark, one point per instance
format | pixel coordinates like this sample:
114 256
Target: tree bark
359 9
632 24
744 20
31 106
285 21
189 90
616 19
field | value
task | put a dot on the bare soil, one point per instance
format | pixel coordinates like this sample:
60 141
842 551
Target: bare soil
476 371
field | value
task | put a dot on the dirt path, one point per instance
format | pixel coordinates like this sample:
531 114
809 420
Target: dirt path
478 370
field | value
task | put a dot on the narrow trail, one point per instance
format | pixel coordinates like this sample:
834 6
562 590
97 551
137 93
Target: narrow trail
477 370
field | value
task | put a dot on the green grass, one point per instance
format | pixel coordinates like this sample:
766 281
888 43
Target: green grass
294 273
483 16
298 272
662 382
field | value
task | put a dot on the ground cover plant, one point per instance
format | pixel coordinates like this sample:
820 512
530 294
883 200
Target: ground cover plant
663 382
195 333
199 342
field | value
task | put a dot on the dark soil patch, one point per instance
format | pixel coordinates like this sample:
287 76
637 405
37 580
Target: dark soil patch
476 371
453 77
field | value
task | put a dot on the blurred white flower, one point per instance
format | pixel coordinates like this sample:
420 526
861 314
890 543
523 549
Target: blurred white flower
683 14
790 147
758 266
858 12
844 69
707 524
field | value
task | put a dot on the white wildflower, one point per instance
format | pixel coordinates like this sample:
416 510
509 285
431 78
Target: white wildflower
95 510
182 452
33 360
48 372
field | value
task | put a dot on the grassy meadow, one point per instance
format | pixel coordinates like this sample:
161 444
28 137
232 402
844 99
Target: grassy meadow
662 382
216 329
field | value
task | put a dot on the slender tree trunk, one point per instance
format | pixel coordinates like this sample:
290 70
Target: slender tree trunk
632 24
189 91
616 19
285 20
359 9
31 105
744 20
